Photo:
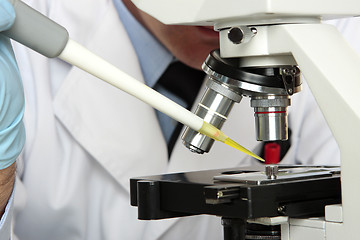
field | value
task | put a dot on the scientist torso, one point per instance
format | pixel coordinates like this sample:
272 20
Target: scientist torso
86 139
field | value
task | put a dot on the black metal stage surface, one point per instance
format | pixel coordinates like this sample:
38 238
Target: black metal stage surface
241 193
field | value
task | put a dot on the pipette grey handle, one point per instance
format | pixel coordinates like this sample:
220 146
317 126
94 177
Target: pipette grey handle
37 31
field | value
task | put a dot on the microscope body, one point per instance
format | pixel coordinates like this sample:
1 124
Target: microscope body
286 34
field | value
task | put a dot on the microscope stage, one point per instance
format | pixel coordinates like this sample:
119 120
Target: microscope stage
237 193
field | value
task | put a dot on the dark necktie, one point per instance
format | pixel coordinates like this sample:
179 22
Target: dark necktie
183 82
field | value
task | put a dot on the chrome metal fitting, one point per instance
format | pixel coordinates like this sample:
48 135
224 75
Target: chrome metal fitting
271 117
214 107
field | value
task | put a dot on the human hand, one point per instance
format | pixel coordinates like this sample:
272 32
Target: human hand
12 132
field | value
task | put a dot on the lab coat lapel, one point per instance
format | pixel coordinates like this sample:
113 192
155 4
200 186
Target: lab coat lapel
119 131
125 137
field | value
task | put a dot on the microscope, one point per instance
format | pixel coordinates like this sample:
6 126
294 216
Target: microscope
264 45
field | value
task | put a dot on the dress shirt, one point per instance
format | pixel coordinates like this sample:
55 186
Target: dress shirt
145 45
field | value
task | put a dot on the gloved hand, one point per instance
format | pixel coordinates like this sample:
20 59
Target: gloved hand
12 132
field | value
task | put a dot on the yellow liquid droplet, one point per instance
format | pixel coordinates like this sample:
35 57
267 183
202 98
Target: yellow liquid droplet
214 133
237 146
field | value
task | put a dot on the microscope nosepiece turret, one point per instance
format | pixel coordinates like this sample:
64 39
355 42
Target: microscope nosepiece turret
269 88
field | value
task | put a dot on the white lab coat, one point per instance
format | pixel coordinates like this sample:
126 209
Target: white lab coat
86 139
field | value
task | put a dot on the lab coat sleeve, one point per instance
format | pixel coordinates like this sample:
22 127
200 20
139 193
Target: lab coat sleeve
5 222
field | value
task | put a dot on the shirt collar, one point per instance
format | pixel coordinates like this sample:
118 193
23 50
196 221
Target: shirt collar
154 58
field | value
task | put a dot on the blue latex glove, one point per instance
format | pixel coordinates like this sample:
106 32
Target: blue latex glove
12 132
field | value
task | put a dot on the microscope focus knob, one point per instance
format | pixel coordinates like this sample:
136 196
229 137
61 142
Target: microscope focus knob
236 35
239 35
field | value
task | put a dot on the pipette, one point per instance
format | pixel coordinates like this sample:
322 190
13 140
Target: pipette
50 39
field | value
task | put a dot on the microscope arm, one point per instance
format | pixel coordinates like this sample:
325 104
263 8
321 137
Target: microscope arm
332 70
